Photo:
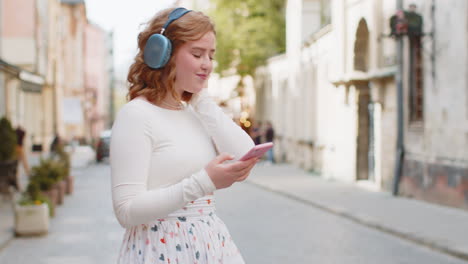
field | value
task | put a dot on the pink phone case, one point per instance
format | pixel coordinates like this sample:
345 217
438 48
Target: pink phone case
257 151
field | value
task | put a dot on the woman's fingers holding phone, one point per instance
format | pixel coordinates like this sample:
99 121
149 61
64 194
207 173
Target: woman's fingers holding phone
246 173
224 175
249 167
239 166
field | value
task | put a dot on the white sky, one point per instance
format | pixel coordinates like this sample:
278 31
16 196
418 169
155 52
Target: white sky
125 18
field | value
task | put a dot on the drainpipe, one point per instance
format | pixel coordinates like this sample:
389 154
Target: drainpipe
399 82
433 42
1 27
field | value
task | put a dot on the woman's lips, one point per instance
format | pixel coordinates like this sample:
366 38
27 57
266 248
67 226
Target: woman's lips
203 76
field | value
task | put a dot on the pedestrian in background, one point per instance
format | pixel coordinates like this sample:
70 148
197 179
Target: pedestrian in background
256 133
164 165
270 137
54 145
20 134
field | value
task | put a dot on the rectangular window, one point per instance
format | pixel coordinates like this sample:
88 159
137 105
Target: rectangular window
416 89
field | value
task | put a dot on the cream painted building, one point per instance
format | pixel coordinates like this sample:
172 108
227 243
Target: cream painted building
22 74
42 70
96 80
332 96
70 92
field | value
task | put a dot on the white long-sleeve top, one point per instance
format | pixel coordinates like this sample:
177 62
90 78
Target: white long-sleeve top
158 156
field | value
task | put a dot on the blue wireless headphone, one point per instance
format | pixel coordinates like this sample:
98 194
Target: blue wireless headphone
158 48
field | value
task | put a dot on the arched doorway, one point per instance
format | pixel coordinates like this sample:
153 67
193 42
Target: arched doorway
365 136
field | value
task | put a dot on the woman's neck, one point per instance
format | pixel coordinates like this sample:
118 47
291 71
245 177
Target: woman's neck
169 102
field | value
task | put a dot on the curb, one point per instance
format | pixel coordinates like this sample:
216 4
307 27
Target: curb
7 231
6 242
368 222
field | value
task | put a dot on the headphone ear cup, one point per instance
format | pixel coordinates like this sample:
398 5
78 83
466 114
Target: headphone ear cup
157 51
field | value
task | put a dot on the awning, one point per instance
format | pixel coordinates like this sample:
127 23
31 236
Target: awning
31 87
9 68
31 82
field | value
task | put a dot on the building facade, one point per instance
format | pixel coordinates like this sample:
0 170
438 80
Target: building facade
45 68
332 97
22 74
436 118
96 80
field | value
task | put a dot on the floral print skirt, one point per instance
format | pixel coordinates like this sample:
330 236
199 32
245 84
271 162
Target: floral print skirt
191 235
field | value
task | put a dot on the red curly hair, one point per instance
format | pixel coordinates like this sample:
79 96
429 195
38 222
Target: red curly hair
154 84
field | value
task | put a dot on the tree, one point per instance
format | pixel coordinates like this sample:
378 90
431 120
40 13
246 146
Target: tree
248 33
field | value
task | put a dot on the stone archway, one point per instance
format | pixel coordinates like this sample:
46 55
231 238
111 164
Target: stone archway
364 151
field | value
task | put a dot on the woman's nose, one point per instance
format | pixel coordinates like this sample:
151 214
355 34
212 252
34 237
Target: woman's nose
206 63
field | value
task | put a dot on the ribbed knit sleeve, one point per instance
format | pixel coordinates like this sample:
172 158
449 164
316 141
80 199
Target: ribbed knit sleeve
227 135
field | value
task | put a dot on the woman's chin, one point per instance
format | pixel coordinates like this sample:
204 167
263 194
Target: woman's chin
194 90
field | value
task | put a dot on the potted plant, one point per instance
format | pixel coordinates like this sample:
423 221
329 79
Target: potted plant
56 172
8 161
46 175
32 212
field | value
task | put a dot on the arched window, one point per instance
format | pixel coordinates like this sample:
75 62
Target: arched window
361 46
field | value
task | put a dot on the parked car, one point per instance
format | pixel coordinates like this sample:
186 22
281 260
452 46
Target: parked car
103 145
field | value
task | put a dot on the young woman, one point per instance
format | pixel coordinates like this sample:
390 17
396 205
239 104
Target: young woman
164 145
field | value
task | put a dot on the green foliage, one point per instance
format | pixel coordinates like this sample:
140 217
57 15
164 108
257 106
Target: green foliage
43 177
248 33
63 158
33 196
47 173
8 140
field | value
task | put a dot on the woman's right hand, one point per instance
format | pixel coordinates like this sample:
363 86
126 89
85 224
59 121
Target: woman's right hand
224 175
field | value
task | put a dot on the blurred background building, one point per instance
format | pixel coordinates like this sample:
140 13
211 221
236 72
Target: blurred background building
56 70
333 96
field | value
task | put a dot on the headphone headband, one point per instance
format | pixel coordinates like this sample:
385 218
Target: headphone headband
174 15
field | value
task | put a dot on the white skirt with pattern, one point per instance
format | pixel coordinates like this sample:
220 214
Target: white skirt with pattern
191 235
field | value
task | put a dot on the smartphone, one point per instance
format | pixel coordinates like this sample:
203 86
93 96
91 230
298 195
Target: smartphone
257 151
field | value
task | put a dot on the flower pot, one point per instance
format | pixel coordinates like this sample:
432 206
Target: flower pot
52 194
60 186
70 180
31 220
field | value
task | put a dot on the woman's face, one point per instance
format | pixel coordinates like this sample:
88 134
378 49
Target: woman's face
194 63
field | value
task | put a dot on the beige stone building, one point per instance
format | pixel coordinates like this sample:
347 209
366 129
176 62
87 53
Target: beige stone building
22 69
43 57
332 97
70 71
97 80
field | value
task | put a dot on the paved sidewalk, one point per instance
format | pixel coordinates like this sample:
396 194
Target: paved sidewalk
441 228
7 221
